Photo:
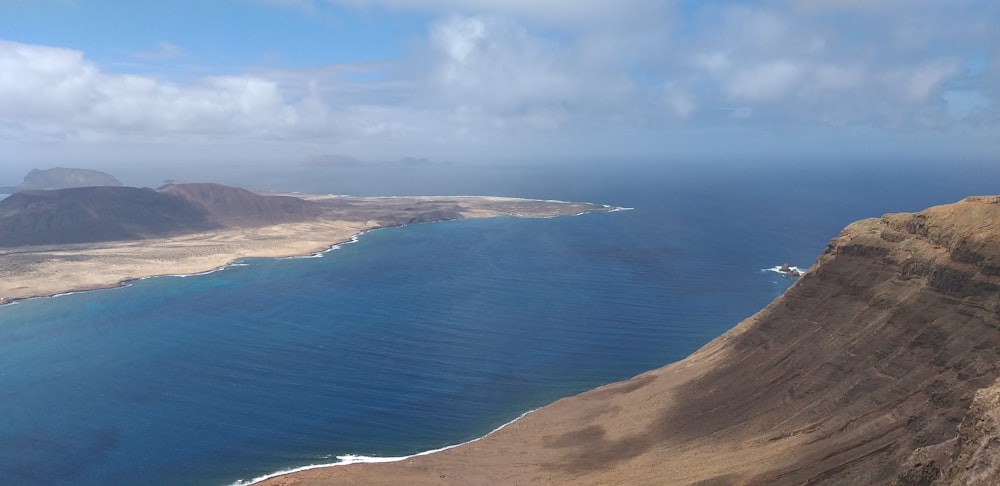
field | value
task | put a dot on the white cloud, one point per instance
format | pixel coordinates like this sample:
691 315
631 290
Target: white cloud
683 103
42 81
918 82
767 81
70 96
496 64
756 28
460 38
714 62
836 77
492 71
562 12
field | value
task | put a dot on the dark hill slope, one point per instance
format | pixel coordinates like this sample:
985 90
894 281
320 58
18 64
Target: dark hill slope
89 214
234 206
861 373
92 214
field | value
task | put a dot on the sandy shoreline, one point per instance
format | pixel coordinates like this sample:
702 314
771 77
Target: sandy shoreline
46 271
348 460
41 271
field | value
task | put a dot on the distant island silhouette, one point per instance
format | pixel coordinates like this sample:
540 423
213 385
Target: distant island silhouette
61 178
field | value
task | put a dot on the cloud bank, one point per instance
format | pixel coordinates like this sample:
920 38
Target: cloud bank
559 75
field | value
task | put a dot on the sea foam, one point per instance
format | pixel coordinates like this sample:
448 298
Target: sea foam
319 254
348 459
777 269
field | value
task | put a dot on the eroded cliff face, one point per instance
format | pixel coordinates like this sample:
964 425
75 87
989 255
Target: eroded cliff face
864 372
874 353
977 448
899 327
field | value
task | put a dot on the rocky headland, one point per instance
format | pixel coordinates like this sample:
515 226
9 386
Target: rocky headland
878 366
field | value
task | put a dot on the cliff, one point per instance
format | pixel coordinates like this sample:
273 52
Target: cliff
878 366
977 448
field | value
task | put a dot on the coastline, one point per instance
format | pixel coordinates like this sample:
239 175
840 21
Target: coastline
54 270
783 397
51 270
349 459
87 267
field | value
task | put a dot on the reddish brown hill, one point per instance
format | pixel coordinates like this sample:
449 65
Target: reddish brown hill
860 374
234 206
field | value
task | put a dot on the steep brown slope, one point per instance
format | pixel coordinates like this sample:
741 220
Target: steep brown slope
977 447
234 206
876 352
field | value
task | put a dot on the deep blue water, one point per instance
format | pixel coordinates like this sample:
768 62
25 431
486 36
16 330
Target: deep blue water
419 337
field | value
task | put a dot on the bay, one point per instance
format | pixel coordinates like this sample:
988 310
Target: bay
419 337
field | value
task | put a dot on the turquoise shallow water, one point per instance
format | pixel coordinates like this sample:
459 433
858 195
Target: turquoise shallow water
412 338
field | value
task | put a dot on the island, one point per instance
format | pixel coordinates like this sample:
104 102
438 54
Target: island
85 238
61 178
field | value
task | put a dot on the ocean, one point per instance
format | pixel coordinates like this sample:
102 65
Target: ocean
416 338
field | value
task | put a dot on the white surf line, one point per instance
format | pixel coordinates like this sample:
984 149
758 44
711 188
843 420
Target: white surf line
336 246
348 459
777 269
121 285
239 262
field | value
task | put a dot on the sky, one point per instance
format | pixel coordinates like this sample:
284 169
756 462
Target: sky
490 80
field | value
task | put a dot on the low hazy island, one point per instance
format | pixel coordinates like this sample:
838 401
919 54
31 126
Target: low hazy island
880 365
80 238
